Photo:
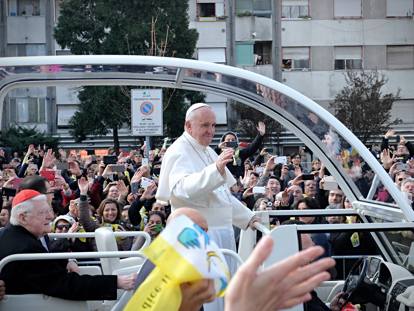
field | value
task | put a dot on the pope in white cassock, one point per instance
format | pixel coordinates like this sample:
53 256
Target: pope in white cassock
192 174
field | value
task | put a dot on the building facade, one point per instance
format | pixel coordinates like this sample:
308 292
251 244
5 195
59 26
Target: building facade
320 40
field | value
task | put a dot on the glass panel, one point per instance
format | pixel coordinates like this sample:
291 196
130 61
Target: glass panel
294 11
398 244
285 11
22 110
206 9
28 7
303 11
33 110
262 5
243 6
301 64
354 63
343 156
339 64
35 49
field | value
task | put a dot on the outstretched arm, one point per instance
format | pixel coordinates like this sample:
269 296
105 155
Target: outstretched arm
280 286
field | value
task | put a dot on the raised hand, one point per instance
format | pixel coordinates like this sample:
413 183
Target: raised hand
386 158
149 193
122 188
30 149
48 159
225 157
138 175
261 128
389 133
83 185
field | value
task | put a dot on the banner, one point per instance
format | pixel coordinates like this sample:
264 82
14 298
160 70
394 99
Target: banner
183 252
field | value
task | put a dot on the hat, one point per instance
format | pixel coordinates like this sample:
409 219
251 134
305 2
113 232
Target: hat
24 195
67 218
194 107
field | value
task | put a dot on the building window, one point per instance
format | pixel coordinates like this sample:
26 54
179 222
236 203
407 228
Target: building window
254 7
262 52
295 59
400 56
295 9
26 7
400 8
262 8
206 11
29 109
348 57
63 52
347 8
244 53
26 49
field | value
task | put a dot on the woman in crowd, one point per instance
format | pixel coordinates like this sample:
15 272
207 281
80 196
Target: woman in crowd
154 226
63 224
108 215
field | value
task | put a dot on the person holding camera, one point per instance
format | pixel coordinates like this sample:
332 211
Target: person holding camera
404 149
230 140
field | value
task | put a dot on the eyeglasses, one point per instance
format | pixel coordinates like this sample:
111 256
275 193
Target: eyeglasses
61 227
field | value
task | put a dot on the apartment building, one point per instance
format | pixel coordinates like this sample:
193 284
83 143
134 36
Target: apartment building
320 40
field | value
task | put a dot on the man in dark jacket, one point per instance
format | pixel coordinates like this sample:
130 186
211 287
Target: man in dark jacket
29 221
230 140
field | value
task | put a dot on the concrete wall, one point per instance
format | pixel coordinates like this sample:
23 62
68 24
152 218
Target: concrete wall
253 28
265 70
26 29
347 32
192 11
375 57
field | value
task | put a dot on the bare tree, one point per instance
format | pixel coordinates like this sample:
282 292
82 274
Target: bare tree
362 107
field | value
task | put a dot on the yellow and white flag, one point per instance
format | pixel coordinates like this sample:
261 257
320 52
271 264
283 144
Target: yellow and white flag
183 252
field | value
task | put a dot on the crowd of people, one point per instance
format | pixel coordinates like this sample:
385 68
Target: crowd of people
128 191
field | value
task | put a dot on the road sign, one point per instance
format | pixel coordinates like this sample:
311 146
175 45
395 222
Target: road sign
146 110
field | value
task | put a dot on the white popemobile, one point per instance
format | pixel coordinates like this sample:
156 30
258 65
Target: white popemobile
384 281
